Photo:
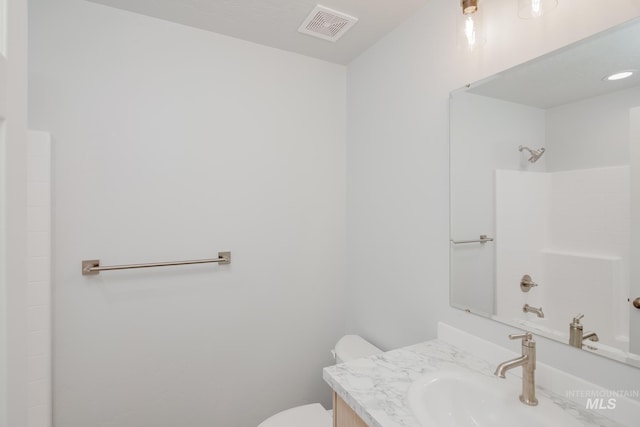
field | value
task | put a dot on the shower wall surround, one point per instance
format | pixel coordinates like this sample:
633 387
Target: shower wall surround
555 227
175 143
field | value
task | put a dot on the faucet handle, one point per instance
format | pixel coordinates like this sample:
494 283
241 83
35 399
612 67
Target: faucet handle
526 336
578 317
526 283
527 340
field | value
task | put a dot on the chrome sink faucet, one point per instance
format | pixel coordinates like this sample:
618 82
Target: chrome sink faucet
577 335
528 363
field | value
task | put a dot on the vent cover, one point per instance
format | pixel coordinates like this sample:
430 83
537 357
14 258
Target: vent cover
327 24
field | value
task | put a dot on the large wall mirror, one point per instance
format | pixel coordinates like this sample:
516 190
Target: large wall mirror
545 195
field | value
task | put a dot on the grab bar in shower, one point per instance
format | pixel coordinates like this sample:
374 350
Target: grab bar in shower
483 239
92 266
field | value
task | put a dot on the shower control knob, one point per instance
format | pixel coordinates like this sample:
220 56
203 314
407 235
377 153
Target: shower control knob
526 283
636 303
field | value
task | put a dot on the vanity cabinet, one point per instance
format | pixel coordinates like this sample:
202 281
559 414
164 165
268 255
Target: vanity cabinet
343 415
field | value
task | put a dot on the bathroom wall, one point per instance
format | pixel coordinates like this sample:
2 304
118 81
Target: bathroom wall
397 163
591 133
135 157
634 139
39 278
522 232
13 215
488 133
173 143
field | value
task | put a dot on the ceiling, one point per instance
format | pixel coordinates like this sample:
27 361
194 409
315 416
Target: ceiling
275 22
572 73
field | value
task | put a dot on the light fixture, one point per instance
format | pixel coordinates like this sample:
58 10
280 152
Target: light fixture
620 75
529 9
470 31
469 6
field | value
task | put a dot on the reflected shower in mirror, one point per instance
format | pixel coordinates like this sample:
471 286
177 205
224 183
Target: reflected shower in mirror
535 154
545 159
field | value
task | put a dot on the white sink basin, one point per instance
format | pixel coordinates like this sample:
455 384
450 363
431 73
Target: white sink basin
464 398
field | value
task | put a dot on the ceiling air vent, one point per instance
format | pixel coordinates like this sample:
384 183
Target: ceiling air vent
327 24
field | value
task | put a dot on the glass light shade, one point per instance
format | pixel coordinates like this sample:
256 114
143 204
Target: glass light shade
470 30
529 9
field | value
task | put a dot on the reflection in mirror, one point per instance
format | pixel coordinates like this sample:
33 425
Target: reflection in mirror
545 159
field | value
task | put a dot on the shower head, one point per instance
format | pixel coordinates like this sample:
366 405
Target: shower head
535 154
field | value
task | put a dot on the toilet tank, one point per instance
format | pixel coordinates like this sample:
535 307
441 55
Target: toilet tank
351 347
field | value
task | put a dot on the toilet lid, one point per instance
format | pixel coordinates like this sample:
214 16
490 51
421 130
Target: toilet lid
313 415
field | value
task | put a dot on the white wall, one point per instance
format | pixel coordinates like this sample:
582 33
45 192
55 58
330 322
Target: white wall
590 133
634 142
13 214
174 143
522 224
107 122
39 278
397 163
487 133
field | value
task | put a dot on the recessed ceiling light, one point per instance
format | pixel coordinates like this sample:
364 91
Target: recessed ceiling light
620 75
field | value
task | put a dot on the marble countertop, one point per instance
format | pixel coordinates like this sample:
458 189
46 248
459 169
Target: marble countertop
376 387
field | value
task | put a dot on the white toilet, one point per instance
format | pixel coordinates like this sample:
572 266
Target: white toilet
348 348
